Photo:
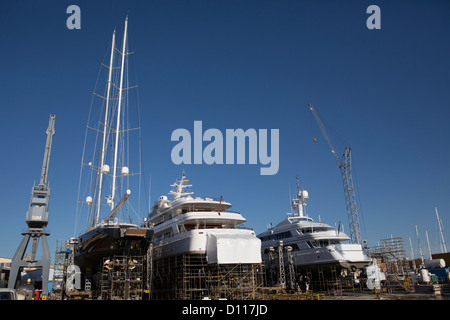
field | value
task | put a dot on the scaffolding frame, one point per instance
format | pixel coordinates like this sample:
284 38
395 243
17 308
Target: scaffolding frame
391 257
60 268
391 254
190 277
284 275
122 278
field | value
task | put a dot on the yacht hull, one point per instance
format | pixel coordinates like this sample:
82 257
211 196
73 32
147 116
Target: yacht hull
205 263
347 256
103 242
220 246
327 262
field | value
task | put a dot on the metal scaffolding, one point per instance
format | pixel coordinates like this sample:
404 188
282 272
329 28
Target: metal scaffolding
391 254
122 278
59 268
284 275
391 257
189 276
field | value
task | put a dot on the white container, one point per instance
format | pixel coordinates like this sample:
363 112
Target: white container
434 263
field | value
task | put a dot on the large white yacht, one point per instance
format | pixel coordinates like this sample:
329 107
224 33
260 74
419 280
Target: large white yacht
314 244
201 225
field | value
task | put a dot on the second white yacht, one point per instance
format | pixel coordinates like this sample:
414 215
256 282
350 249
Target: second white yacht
314 244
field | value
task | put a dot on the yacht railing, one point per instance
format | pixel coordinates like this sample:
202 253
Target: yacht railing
202 198
188 227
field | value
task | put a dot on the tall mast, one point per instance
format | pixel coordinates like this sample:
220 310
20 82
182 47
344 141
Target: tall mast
118 113
412 254
179 187
428 242
299 202
102 161
300 198
443 248
418 242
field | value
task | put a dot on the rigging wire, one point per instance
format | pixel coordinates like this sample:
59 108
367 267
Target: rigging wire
142 180
77 211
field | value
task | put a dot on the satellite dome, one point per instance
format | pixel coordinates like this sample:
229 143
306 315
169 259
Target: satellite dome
305 194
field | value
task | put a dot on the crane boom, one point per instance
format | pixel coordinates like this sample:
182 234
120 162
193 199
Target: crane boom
37 215
48 149
324 133
345 167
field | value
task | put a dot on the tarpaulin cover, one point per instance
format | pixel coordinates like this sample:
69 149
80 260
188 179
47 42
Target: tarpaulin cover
233 248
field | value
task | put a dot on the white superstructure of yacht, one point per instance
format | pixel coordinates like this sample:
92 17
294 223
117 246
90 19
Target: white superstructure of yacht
314 244
201 225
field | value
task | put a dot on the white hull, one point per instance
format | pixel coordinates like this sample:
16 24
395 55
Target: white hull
347 256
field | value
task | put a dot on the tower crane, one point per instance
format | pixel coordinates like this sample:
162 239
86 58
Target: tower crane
345 166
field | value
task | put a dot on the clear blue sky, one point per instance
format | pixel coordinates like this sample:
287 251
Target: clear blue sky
240 64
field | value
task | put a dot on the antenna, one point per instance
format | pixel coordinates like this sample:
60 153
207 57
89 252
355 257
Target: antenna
180 186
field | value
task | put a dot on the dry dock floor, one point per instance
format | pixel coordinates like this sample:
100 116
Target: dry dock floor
387 296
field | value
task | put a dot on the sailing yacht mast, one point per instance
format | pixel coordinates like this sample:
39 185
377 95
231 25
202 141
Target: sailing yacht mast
418 242
428 242
123 53
443 248
102 160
